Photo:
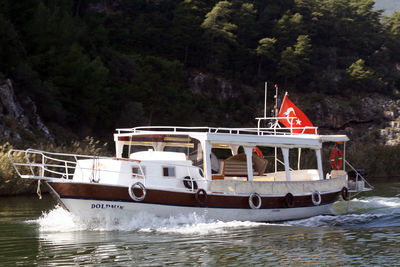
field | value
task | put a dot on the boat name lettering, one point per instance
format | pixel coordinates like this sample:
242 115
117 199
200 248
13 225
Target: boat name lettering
106 206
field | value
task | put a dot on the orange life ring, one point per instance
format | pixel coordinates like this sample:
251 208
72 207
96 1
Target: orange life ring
336 151
257 151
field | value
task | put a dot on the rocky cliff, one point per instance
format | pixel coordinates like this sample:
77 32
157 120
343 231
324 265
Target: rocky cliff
18 116
364 118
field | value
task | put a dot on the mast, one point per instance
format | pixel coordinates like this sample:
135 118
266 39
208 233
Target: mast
265 99
276 100
276 116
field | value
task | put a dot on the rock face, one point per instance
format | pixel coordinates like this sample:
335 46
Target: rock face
359 117
391 133
339 113
19 118
378 114
211 86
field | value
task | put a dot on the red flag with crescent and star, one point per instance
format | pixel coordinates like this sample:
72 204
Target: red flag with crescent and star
294 119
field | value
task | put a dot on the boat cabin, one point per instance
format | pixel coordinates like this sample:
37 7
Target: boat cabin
206 154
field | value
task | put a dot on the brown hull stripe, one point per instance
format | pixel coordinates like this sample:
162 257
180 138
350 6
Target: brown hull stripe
115 193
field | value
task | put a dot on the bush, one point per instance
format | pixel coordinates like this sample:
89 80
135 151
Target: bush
10 183
377 160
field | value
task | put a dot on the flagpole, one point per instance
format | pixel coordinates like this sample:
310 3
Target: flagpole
298 158
265 99
276 115
276 100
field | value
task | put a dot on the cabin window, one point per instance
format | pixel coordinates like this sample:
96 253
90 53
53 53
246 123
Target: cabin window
137 173
169 171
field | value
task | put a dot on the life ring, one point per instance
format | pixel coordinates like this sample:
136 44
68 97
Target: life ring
189 183
289 200
201 196
336 151
257 151
316 197
255 200
345 193
137 185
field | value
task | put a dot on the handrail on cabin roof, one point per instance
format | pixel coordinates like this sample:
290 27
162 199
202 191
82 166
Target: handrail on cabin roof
274 129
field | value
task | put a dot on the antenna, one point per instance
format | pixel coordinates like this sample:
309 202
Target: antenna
276 100
276 123
265 99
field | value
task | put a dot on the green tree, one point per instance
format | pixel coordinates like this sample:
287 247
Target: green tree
53 28
265 50
12 51
245 19
392 23
220 33
392 41
360 76
358 71
294 60
81 85
288 27
186 32
160 85
288 67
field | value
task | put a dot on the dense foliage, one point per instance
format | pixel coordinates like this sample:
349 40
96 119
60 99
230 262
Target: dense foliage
92 64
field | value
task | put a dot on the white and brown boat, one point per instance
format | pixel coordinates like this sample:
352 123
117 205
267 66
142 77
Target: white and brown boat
220 173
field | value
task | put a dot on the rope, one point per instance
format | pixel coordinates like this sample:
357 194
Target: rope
38 191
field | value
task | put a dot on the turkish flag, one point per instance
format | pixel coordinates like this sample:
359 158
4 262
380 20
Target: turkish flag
294 119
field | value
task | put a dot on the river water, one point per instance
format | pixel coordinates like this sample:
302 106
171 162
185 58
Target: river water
366 231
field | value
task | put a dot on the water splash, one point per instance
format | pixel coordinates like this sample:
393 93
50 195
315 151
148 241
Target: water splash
378 202
60 220
364 212
370 212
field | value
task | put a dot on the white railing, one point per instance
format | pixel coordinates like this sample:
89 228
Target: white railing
360 184
51 166
273 129
276 128
43 165
179 129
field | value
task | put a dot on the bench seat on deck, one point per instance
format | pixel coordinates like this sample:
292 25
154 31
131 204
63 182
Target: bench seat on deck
237 165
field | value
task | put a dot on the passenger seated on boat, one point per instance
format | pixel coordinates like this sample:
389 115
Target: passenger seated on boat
214 163
237 165
337 173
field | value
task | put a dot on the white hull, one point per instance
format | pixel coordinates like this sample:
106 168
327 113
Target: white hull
88 209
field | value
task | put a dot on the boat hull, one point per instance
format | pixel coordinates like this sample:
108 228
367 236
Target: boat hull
85 208
96 200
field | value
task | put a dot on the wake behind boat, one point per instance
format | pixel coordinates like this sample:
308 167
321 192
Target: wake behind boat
226 174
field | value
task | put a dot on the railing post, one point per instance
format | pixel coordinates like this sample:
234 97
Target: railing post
143 174
285 152
319 163
66 170
43 163
29 162
248 151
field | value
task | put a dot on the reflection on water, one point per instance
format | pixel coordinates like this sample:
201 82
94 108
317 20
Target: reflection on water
366 231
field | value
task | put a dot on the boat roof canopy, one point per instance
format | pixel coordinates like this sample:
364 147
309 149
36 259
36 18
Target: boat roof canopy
237 136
